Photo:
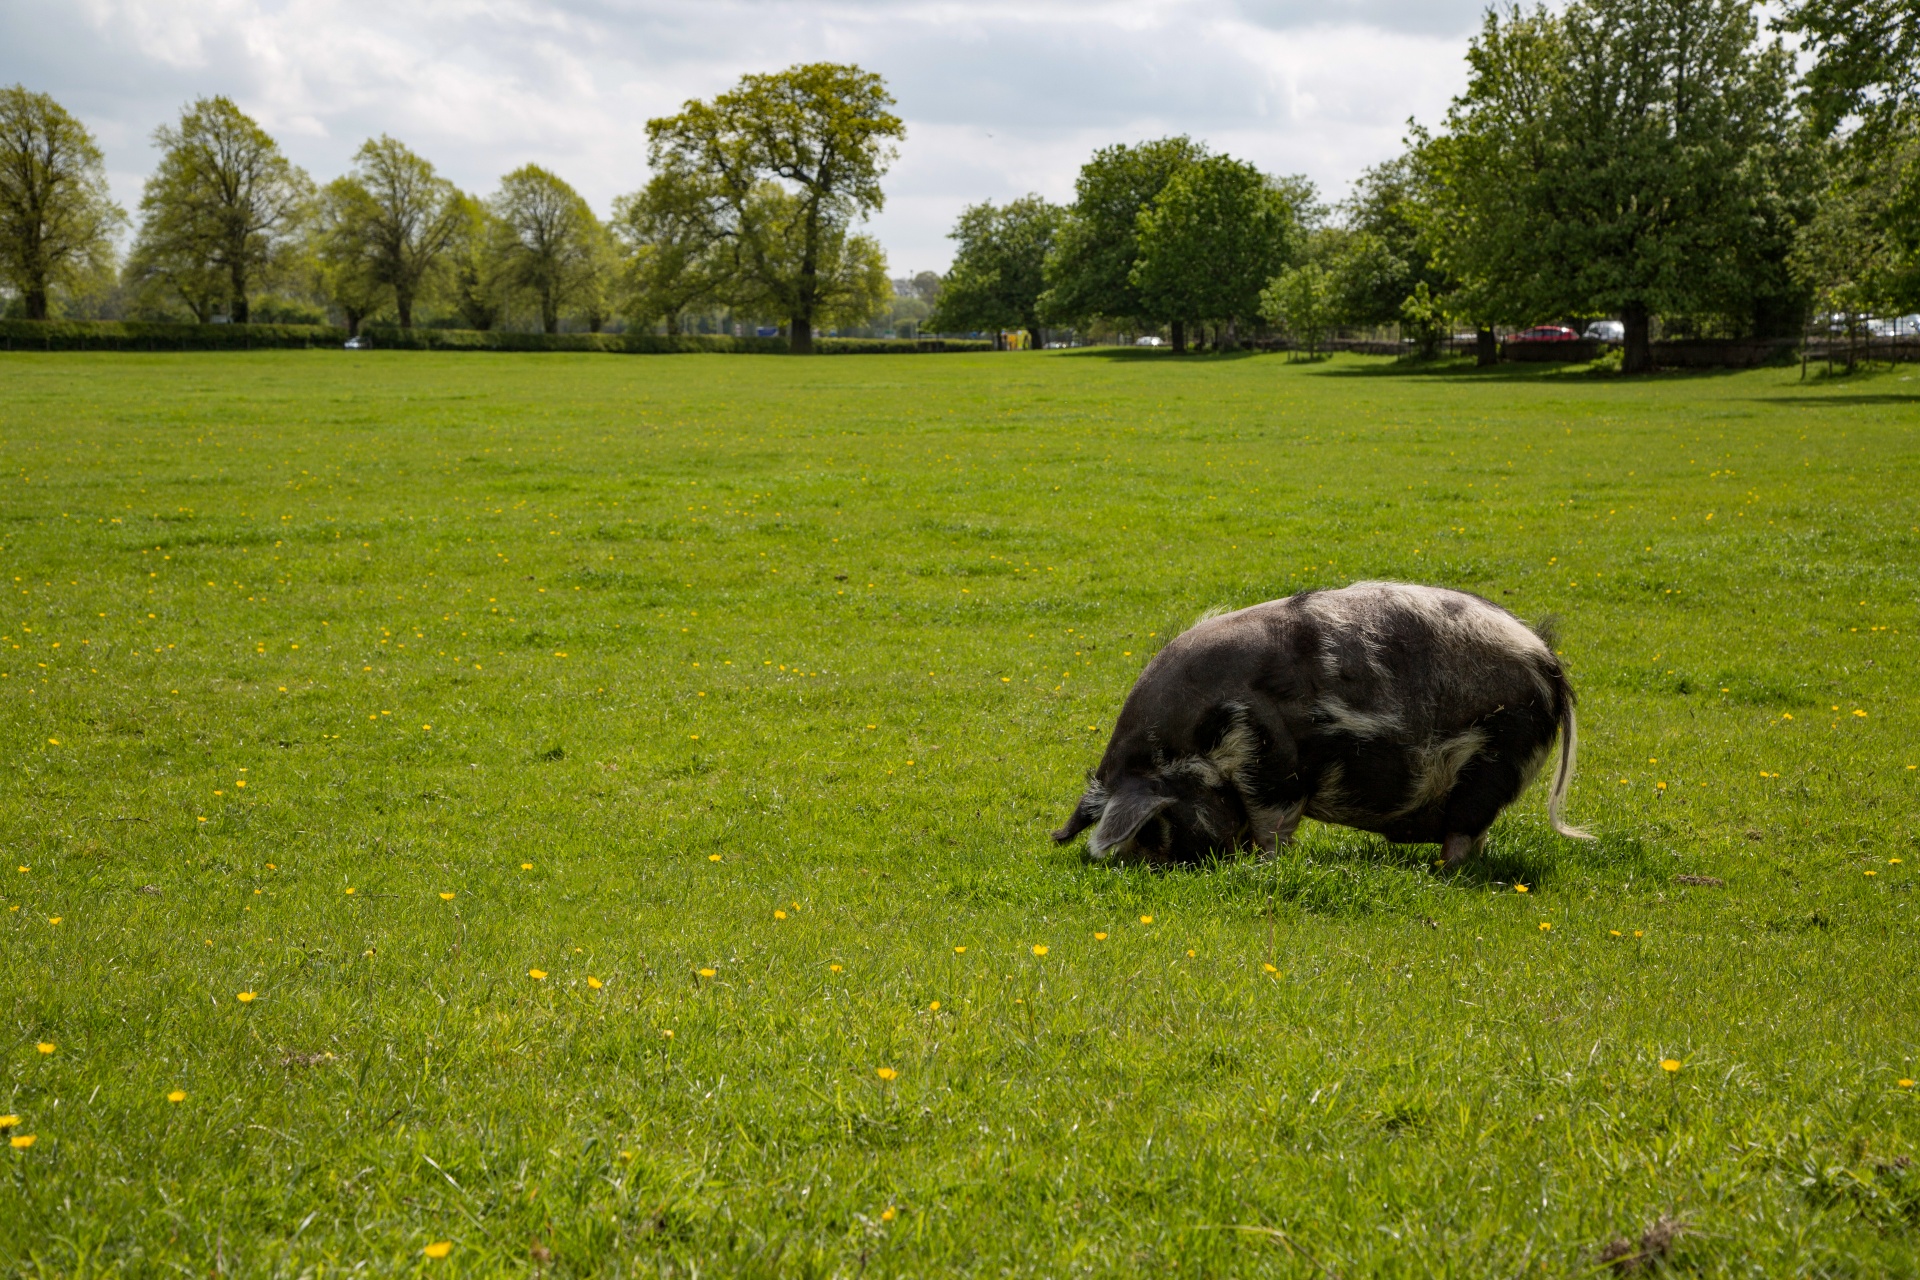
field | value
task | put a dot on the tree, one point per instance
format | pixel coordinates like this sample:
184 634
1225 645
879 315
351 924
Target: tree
474 279
1618 158
403 214
223 196
56 219
849 271
1089 274
820 134
1301 299
1866 61
1210 241
547 239
674 249
998 274
347 257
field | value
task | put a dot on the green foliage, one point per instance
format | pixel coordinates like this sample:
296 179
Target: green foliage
1211 239
1620 157
547 241
787 165
393 217
57 217
1865 62
1089 273
476 279
675 251
134 335
999 268
223 209
1303 300
1427 1084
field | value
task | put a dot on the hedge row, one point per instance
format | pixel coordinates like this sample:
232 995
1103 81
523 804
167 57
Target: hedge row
133 335
117 335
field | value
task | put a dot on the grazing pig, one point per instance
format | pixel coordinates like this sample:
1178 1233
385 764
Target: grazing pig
1415 712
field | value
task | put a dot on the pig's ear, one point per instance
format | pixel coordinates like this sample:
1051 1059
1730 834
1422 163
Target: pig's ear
1127 810
1084 815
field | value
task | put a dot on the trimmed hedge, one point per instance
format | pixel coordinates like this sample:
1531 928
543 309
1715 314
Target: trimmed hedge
117 335
134 335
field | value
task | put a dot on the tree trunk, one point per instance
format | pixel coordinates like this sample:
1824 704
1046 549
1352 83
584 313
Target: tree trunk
549 312
1486 348
800 335
353 322
1638 356
403 303
1179 337
1036 338
237 309
673 324
36 301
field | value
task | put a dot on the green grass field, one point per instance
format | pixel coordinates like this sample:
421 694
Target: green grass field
591 812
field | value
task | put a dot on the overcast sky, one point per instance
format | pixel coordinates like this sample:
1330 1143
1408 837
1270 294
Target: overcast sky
1000 97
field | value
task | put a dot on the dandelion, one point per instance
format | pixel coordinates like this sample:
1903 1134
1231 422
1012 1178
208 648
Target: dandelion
1615 932
1669 1065
538 975
1904 1083
245 997
708 973
959 951
349 889
44 1047
779 914
1660 786
667 1033
1268 967
1639 933
1893 862
1873 873
9 1122
21 1141
833 968
886 1214
1786 715
178 1095
1860 713
526 866
1146 919
594 983
1520 888
1544 926
1099 937
713 857
934 1007
438 1249
888 1073
1039 948
54 919
446 897
1189 955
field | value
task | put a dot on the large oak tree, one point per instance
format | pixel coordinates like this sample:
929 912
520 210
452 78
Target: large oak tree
56 218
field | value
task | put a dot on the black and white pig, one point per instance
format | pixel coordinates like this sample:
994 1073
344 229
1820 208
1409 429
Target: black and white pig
1415 712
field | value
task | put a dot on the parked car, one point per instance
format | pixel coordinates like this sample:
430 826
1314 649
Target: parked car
1149 341
1545 333
1607 331
360 342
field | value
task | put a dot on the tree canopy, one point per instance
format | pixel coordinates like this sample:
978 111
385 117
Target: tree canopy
1089 274
1210 241
56 217
998 271
545 239
788 163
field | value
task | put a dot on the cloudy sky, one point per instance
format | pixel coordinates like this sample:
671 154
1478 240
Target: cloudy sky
1001 97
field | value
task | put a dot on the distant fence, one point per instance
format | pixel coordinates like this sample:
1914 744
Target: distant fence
129 335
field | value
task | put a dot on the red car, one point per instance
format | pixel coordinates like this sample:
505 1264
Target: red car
1546 333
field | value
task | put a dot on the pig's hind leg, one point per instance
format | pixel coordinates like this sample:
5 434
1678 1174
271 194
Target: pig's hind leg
1458 846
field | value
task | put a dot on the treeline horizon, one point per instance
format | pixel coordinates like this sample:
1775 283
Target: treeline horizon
1660 163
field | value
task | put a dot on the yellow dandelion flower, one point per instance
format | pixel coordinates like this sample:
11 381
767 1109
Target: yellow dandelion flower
888 1073
1904 1083
349 889
833 968
526 866
1544 926
538 975
1786 715
779 914
1669 1065
1893 862
1873 873
708 973
446 897
1099 937
54 919
667 1033
178 1095
1659 786
959 951
594 983
1639 933
886 1214
713 857
1189 955
1520 888
44 1047
21 1141
1615 932
1860 713
1269 968
1039 948
244 997
1146 919
438 1249
935 1006
9 1122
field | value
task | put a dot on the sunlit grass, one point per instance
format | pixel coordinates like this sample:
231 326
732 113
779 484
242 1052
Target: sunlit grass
478 813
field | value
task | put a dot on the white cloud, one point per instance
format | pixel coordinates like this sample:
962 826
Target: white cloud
1000 97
